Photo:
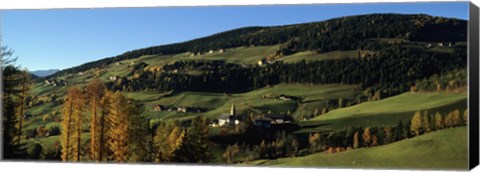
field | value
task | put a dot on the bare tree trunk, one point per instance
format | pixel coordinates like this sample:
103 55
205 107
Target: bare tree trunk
22 107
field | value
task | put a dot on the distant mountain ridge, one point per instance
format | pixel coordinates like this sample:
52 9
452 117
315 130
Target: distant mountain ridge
44 73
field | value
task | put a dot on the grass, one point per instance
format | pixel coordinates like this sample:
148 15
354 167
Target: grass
444 149
253 101
241 55
388 111
313 56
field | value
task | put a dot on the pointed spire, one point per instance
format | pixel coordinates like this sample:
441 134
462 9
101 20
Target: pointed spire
232 110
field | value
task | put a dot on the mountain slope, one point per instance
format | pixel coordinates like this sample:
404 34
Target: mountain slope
345 33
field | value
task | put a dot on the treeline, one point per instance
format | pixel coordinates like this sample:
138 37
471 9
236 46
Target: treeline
346 33
357 137
284 145
426 122
455 80
392 71
16 85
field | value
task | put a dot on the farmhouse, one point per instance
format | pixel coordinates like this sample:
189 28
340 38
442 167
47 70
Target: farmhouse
284 97
278 119
113 78
261 62
182 109
159 108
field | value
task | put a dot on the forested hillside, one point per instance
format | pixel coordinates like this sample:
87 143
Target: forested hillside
346 33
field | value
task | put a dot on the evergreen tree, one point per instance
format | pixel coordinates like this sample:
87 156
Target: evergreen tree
196 142
10 84
25 84
399 133
137 131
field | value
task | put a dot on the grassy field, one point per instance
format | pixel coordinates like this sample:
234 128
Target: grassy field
240 55
313 56
253 101
388 111
444 149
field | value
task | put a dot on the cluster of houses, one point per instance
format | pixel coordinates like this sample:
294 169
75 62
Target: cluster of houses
442 44
209 52
55 82
233 119
280 97
113 78
182 109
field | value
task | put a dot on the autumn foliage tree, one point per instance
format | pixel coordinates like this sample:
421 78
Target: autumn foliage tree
438 121
356 140
71 115
416 125
314 142
367 137
118 134
95 92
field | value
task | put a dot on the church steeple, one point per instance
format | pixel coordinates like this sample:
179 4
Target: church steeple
232 110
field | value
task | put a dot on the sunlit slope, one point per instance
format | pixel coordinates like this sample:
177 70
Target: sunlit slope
444 149
389 111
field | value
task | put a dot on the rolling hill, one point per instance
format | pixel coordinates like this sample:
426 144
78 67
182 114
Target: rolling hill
433 151
338 66
388 111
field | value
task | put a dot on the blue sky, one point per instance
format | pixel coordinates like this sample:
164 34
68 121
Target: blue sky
59 39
